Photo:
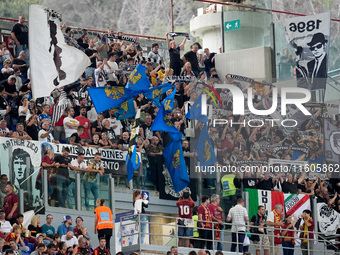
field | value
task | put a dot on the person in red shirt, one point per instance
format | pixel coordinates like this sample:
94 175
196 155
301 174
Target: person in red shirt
204 217
47 162
217 215
101 250
85 122
79 225
11 203
185 205
288 240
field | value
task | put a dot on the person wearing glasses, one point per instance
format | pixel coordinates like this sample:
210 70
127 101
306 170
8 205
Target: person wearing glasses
48 229
317 68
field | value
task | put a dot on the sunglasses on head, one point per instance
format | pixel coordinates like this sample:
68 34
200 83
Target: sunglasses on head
316 47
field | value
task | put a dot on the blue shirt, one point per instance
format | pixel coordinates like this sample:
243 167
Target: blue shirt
62 229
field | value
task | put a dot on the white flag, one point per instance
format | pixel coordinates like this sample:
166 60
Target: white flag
53 63
310 36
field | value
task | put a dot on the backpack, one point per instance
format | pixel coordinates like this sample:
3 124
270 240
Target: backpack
255 237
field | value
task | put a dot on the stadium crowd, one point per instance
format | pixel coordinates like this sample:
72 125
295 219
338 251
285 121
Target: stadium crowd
40 239
112 60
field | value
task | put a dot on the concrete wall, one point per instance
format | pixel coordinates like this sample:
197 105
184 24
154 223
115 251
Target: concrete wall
254 63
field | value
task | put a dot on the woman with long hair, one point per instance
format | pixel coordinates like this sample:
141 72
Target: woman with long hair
103 222
139 204
105 143
187 71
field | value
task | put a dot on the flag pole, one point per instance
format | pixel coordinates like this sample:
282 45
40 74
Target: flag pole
172 15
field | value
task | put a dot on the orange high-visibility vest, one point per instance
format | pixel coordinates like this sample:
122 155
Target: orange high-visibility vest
104 216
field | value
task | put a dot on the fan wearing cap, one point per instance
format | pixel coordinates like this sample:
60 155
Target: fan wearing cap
317 68
65 226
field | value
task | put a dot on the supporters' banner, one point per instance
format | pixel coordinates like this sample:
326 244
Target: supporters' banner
33 151
293 113
195 112
162 122
123 37
155 93
152 60
251 162
53 63
19 160
174 78
328 219
310 36
174 34
138 80
295 204
266 198
240 78
174 160
332 142
204 149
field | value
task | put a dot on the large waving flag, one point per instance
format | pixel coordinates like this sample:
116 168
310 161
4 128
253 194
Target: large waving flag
204 148
155 93
133 162
53 63
266 198
138 80
162 122
168 102
105 98
126 110
174 160
195 112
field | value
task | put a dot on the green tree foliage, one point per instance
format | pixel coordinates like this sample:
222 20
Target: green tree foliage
14 8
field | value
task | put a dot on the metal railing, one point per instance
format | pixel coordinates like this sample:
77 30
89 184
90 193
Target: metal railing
311 244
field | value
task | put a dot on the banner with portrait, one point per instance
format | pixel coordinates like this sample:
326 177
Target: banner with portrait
310 37
328 219
332 142
21 159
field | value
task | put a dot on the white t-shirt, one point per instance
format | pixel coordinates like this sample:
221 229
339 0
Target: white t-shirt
5 227
74 162
237 214
115 122
114 67
21 108
47 139
69 131
70 242
271 218
7 54
4 69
